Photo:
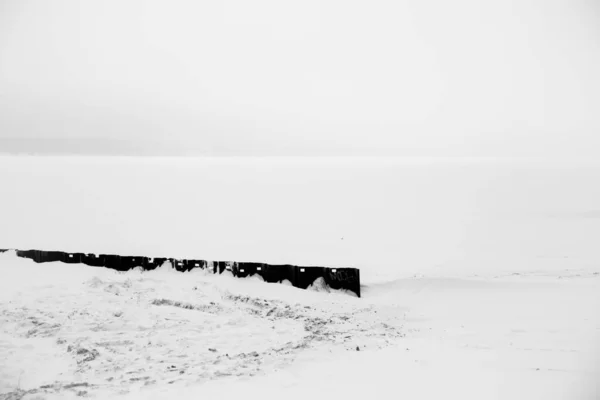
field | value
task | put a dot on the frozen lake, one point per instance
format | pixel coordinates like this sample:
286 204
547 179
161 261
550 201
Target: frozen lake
387 217
390 218
481 279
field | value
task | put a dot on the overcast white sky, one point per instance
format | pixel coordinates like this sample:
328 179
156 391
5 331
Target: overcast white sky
311 77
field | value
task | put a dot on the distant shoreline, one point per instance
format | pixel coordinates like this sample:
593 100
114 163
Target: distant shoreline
334 159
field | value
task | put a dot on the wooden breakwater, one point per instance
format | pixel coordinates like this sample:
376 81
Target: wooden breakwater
299 276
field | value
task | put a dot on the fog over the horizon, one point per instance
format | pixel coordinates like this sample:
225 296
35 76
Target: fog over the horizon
327 77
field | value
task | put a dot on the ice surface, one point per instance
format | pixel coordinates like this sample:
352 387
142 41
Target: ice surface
389 218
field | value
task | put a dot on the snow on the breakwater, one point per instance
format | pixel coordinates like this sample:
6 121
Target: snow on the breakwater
100 330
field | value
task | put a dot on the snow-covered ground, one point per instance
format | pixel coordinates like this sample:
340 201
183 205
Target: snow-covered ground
70 330
72 324
481 279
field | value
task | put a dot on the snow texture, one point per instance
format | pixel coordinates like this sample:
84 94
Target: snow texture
70 330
